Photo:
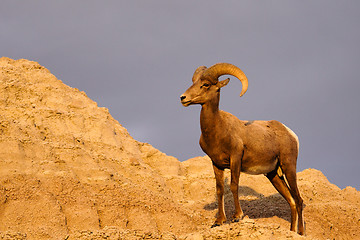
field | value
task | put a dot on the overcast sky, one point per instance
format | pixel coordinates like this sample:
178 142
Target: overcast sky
302 59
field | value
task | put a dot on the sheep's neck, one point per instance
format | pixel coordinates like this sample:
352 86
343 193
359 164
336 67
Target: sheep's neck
210 117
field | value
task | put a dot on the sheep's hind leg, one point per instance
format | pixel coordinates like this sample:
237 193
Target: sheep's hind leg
219 175
281 186
290 175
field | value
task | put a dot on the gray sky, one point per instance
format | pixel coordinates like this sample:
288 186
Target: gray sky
136 58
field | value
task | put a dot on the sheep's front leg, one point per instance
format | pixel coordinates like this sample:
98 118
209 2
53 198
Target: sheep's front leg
219 175
234 187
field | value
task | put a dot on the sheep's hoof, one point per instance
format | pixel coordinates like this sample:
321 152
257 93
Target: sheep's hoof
237 219
218 223
215 225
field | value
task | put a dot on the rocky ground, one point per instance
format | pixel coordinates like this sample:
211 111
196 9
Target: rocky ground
68 170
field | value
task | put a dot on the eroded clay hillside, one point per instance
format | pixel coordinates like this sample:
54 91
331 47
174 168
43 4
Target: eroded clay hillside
68 170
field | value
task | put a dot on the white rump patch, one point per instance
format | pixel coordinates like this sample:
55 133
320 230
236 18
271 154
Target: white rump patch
292 134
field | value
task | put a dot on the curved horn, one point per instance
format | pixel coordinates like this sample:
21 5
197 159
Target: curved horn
198 73
219 69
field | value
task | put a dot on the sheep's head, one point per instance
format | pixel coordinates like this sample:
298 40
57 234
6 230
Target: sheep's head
206 84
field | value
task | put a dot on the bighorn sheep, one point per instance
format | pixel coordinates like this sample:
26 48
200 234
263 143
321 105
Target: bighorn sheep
253 147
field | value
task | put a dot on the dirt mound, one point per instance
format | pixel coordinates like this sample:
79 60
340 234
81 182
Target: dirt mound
68 170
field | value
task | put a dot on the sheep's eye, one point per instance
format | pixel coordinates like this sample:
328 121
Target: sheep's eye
205 85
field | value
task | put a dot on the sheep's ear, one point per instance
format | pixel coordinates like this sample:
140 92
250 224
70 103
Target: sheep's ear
223 83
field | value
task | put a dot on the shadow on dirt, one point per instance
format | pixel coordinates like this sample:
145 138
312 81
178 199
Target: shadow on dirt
255 205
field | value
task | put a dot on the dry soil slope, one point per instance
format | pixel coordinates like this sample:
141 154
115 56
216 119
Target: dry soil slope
69 170
66 165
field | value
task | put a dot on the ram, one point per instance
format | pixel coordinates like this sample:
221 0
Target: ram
253 147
